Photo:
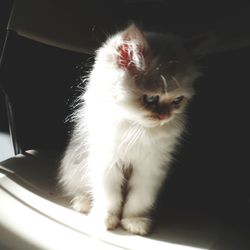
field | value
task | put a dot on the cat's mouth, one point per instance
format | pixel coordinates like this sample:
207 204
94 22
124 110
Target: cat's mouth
158 117
163 116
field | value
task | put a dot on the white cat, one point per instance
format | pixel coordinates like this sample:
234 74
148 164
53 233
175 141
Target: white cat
126 130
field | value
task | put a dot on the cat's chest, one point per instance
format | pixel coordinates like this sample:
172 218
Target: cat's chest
134 142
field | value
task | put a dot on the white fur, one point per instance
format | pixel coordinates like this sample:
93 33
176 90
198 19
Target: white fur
111 135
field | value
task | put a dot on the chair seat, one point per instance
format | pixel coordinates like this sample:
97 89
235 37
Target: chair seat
28 181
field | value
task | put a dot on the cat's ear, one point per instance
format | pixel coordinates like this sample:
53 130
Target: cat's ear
132 50
133 32
201 45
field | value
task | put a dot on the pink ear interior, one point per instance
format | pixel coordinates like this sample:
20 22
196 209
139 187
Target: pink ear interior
125 56
131 52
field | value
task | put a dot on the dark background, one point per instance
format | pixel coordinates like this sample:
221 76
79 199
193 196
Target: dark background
210 174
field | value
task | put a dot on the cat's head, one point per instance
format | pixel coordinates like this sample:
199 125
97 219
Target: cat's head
151 75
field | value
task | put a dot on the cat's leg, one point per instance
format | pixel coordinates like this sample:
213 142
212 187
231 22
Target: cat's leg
81 203
107 195
73 178
143 186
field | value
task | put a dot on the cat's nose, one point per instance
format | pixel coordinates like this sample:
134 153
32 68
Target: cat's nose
163 111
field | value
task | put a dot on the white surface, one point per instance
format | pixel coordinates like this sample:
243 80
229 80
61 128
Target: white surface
28 221
6 149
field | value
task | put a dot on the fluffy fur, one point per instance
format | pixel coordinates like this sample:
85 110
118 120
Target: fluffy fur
122 143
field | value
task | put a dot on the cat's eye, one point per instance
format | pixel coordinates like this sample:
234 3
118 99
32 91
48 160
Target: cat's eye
177 100
150 100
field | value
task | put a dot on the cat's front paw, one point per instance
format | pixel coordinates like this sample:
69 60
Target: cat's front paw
106 220
137 225
81 204
111 221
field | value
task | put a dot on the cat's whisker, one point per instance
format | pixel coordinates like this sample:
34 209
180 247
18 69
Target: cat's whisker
165 85
133 135
176 81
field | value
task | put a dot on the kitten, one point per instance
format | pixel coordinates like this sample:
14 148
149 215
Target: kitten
131 118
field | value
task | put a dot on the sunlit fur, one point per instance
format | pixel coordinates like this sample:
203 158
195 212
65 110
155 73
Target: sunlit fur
116 133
